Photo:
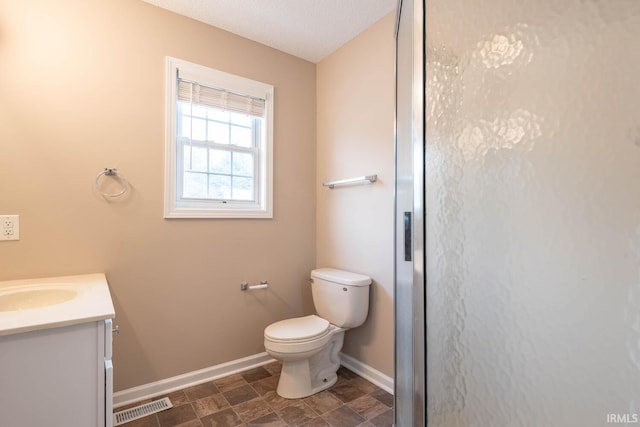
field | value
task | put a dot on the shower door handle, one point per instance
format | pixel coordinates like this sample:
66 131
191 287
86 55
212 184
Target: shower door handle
407 236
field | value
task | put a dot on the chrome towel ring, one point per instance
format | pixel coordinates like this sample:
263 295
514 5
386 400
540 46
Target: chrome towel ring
114 173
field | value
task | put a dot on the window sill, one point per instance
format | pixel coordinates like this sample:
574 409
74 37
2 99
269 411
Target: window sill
220 213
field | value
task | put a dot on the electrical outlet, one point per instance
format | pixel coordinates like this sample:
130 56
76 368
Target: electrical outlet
9 227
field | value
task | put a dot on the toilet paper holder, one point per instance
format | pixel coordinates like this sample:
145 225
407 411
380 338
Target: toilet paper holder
246 287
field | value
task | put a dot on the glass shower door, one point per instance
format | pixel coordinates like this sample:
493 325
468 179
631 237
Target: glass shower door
532 202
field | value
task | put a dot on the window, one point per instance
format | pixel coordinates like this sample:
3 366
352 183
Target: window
219 152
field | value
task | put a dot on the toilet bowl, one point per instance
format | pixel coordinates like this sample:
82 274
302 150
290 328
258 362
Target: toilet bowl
309 346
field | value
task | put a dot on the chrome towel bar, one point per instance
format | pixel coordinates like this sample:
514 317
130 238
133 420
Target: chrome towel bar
369 178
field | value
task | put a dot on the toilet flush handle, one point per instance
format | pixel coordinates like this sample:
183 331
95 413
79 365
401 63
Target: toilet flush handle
310 280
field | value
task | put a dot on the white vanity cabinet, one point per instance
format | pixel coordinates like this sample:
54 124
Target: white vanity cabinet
57 373
57 377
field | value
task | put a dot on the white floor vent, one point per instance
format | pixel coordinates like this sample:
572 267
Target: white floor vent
141 411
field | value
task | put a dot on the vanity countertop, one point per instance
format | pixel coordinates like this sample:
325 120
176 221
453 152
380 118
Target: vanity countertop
33 304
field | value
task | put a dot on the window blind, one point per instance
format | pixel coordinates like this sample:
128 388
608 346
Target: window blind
219 98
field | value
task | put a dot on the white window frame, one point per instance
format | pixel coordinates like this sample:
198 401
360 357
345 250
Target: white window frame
177 207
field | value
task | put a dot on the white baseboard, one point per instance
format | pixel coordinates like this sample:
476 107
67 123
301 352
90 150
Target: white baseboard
367 372
168 385
162 387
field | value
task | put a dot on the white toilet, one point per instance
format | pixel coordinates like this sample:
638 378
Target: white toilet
308 346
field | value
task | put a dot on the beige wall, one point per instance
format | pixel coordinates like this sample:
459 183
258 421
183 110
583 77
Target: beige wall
82 88
354 230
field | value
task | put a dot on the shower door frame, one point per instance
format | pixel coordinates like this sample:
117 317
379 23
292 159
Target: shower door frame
409 220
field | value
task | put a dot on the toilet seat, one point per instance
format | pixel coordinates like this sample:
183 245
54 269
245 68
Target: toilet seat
300 335
297 330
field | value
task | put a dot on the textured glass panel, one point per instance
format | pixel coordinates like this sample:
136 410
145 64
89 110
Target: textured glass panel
533 212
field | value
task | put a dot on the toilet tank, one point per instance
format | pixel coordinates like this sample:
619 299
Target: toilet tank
341 297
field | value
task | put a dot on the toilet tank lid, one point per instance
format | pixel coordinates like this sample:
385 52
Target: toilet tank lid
341 276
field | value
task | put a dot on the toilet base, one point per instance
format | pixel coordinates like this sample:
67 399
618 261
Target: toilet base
295 381
304 377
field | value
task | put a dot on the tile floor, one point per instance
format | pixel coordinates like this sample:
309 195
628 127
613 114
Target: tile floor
249 399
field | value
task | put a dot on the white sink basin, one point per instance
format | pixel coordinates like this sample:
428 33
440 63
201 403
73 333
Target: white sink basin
28 299
32 304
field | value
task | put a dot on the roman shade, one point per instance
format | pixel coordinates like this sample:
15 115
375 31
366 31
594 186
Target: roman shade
196 93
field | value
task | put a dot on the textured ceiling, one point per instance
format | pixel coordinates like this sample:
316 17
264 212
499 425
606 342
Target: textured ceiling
309 29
